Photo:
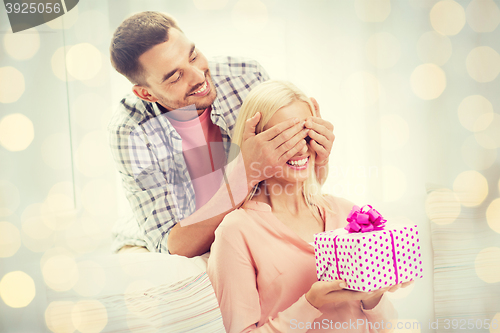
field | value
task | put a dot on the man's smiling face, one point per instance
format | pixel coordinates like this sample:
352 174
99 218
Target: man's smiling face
177 75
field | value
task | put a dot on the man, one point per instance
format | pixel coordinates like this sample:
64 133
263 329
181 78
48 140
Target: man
180 104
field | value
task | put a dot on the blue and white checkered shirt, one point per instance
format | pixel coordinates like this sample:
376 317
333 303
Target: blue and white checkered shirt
148 155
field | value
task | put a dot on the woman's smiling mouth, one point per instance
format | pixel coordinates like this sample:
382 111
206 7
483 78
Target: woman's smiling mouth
298 164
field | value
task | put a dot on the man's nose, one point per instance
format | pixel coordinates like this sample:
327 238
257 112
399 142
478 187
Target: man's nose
197 75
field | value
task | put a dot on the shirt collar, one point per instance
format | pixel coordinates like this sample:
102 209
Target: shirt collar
257 205
216 108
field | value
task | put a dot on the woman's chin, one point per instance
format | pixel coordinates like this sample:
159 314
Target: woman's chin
296 177
297 174
292 174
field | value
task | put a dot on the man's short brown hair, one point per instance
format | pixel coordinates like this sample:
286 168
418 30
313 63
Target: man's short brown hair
136 35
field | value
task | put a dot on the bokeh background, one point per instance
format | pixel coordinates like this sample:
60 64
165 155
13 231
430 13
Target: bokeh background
411 87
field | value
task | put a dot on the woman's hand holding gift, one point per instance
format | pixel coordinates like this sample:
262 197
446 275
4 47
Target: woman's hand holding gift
373 300
325 292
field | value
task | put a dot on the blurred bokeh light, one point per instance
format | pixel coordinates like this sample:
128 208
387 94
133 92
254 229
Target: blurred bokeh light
11 84
58 65
17 289
16 132
83 61
89 316
58 317
483 15
433 47
9 198
447 17
471 188
23 45
60 272
493 215
487 265
483 64
489 138
10 239
475 113
428 81
372 10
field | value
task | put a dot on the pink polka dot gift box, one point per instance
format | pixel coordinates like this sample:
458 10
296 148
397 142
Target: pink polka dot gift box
367 255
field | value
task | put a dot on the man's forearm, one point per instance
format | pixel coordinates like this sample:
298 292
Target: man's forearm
195 239
194 235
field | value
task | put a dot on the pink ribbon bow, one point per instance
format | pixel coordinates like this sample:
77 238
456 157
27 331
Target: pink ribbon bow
364 219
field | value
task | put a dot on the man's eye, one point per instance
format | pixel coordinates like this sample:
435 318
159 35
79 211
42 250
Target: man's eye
194 56
178 78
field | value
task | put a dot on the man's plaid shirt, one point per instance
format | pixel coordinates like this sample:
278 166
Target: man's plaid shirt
148 155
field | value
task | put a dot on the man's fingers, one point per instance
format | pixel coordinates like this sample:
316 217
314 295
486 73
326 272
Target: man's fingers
321 152
289 138
319 138
250 126
286 154
278 129
315 123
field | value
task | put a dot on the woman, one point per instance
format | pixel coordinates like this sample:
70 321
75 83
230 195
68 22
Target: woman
262 262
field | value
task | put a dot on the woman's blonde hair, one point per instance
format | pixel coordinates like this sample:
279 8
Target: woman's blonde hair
267 98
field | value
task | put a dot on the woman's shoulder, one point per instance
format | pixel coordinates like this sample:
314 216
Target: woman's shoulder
236 222
339 210
235 217
338 204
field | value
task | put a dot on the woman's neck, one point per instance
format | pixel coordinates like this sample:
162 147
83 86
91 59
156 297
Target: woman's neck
282 197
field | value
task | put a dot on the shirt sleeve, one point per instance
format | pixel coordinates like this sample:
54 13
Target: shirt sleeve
233 277
146 188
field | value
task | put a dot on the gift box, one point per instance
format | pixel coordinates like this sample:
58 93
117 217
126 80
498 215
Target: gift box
367 255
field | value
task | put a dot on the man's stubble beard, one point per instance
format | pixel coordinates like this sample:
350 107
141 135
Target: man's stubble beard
212 91
161 101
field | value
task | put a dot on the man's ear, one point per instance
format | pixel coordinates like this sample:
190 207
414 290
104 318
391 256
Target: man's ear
143 93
